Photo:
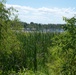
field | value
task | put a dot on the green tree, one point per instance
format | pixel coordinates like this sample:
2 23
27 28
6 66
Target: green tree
63 50
9 45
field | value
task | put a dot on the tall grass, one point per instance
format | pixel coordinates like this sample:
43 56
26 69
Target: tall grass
35 50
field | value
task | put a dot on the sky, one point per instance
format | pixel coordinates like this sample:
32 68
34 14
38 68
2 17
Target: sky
43 11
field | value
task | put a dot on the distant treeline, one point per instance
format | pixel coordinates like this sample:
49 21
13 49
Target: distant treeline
42 27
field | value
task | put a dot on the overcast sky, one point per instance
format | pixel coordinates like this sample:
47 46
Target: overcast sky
43 11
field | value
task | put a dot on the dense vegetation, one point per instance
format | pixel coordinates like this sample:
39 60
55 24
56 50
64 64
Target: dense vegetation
35 53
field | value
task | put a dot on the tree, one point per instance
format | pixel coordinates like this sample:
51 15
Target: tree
9 45
63 50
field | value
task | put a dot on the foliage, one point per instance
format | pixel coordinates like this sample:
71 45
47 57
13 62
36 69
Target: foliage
9 45
35 49
63 52
35 53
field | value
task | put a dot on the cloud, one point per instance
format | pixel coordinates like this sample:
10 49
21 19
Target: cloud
43 14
